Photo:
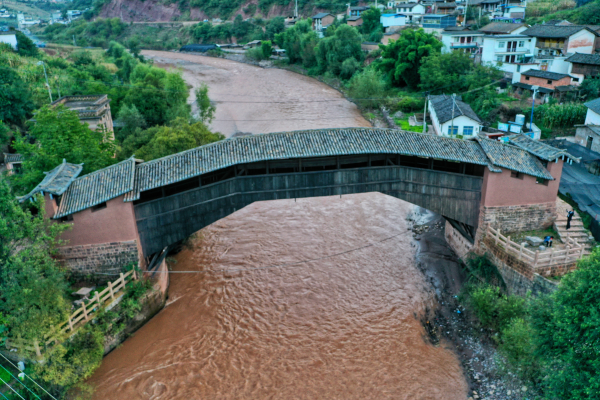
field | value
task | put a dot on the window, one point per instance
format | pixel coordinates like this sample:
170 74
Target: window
521 43
549 82
526 78
467 130
515 174
499 58
575 79
453 130
501 45
100 206
542 181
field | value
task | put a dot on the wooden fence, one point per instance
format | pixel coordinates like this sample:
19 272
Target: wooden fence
571 254
79 318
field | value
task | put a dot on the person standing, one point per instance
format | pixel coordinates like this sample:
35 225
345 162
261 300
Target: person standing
569 218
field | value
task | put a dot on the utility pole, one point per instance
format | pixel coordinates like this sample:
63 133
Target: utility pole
453 103
535 89
296 10
425 113
46 76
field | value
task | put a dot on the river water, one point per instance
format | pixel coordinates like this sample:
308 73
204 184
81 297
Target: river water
252 99
344 326
315 298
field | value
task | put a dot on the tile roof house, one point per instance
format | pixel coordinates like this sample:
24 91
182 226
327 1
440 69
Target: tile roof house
503 28
593 113
584 66
321 21
94 110
354 21
13 162
560 40
548 83
56 181
451 116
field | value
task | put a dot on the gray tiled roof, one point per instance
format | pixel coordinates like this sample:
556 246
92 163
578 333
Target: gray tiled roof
536 73
555 31
56 181
445 108
11 158
594 105
320 15
590 59
500 27
97 187
537 148
513 158
406 5
129 178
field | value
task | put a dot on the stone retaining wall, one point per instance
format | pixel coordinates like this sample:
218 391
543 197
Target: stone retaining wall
95 258
457 241
518 218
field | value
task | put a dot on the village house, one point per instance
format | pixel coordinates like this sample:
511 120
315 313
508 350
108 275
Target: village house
507 51
549 84
503 28
437 23
584 66
391 22
555 40
94 110
321 21
356 11
465 41
354 21
414 11
13 163
390 36
588 135
450 116
444 8
9 38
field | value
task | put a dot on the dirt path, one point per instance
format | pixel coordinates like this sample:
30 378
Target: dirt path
251 99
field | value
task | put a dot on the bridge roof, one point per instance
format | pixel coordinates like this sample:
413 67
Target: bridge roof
539 149
131 178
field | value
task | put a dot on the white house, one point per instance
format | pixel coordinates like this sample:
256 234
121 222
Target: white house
593 113
411 10
9 38
465 41
390 20
560 40
506 51
450 116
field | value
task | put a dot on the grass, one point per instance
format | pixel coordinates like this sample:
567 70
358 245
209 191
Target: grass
541 233
404 125
4 375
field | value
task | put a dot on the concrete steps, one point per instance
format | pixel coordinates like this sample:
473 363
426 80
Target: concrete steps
577 230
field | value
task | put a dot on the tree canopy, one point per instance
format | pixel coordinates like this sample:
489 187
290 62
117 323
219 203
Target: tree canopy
15 99
402 58
333 51
58 134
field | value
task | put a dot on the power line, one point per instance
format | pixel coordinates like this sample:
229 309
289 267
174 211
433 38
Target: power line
11 388
278 265
18 380
28 377
3 396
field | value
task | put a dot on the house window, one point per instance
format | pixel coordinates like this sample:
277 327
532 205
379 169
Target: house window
549 82
453 130
575 79
526 78
467 130
521 43
501 45
542 181
499 58
100 206
515 174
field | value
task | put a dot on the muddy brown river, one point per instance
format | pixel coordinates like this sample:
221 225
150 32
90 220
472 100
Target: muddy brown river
310 299
252 99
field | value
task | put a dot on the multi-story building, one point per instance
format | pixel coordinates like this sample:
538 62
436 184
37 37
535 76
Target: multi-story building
560 40
507 50
437 23
414 11
464 41
321 21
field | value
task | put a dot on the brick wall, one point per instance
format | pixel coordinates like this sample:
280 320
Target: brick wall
518 218
94 258
543 82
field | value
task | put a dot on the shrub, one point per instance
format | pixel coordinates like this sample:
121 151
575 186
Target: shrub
517 345
369 84
255 54
266 49
411 104
494 309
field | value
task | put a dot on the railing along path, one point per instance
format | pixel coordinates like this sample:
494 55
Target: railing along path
78 319
572 253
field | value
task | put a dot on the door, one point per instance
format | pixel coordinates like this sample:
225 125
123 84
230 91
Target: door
589 142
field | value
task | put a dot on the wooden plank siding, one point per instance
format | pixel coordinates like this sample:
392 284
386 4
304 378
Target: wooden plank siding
168 219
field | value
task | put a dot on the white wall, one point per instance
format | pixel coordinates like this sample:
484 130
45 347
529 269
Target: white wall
592 118
581 42
393 20
11 39
460 122
416 10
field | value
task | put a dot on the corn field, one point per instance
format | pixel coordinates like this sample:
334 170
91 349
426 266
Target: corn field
561 115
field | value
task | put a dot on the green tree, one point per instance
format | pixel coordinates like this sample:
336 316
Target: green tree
334 50
371 23
275 26
292 40
132 120
32 284
180 136
5 133
266 49
567 329
206 111
590 89
134 46
445 71
25 46
56 135
481 91
402 58
368 84
15 98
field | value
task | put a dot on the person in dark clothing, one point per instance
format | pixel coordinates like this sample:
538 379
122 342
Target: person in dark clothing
548 241
569 218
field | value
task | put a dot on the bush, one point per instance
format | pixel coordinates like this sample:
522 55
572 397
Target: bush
266 49
517 345
349 67
369 84
255 54
411 104
494 309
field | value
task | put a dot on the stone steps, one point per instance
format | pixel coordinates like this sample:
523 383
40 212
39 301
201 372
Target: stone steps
577 230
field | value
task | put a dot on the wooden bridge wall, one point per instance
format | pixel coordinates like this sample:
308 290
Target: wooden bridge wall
166 220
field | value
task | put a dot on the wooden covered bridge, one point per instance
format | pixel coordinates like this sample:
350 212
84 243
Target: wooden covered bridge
146 206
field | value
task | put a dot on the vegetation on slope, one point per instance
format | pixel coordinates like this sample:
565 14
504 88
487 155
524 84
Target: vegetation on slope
587 14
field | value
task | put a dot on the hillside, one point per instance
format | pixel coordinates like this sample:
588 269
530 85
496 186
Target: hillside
198 10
